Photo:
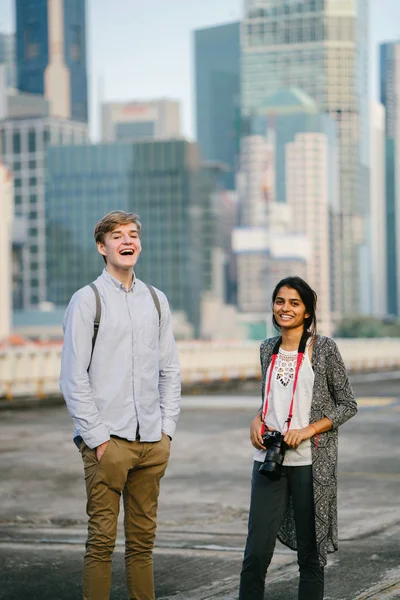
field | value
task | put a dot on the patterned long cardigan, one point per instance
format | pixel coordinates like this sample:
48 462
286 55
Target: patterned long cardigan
333 398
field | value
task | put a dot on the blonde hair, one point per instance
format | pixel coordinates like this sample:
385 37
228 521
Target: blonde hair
111 220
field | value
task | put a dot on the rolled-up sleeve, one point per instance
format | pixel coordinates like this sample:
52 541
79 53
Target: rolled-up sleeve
340 387
74 379
170 379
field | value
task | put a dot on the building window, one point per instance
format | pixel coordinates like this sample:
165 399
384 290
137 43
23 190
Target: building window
3 142
33 231
32 181
17 182
31 41
75 50
32 164
32 199
31 141
18 200
16 142
17 166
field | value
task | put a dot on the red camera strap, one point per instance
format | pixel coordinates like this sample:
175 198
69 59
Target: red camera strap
300 356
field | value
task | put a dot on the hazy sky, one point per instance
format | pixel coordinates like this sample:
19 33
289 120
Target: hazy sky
143 48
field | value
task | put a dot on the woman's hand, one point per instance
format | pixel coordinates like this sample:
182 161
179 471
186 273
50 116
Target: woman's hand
255 432
294 437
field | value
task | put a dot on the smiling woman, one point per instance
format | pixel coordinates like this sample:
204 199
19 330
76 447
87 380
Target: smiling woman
306 395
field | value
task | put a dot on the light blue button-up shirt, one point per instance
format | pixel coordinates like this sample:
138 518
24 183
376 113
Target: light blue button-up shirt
133 383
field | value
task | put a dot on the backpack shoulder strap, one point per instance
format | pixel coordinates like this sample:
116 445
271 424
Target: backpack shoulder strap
155 300
96 318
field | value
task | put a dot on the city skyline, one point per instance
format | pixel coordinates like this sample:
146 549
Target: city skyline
317 50
169 70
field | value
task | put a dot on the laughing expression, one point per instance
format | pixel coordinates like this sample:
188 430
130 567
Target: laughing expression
121 246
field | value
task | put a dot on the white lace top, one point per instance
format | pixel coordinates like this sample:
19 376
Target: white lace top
280 398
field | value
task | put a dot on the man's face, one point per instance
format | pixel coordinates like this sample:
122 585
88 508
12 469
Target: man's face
121 246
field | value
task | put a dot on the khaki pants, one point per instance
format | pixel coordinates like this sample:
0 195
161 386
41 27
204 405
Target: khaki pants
133 469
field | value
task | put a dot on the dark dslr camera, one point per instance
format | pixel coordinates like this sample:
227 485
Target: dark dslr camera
276 447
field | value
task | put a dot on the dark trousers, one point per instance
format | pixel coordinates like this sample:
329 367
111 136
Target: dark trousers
269 500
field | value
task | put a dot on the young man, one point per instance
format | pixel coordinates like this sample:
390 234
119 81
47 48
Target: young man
123 393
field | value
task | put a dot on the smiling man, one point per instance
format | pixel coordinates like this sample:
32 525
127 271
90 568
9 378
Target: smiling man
121 383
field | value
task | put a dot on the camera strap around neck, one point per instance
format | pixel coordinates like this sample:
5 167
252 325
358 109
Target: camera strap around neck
300 355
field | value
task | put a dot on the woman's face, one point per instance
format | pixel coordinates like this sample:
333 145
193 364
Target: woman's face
289 309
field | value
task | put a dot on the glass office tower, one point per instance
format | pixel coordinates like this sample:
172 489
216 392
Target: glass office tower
51 54
321 47
164 183
217 93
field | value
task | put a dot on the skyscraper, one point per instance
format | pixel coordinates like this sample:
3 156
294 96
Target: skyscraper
308 169
266 250
51 54
390 98
23 144
298 179
321 47
164 183
217 94
379 297
7 57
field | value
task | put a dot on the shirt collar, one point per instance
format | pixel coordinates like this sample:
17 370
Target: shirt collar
115 282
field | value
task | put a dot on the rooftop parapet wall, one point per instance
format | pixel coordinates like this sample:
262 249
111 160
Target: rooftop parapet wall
34 370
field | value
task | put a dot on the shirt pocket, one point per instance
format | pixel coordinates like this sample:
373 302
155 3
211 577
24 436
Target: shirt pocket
151 336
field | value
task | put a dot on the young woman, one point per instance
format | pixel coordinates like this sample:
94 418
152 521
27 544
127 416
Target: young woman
306 396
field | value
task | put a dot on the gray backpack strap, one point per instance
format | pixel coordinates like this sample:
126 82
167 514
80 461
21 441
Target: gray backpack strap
96 319
155 300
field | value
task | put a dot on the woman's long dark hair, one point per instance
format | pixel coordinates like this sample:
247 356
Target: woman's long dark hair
308 296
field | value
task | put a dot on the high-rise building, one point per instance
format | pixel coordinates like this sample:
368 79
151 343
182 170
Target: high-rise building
6 203
136 120
217 95
7 57
378 225
164 183
51 54
390 98
293 119
23 144
307 193
321 47
266 249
